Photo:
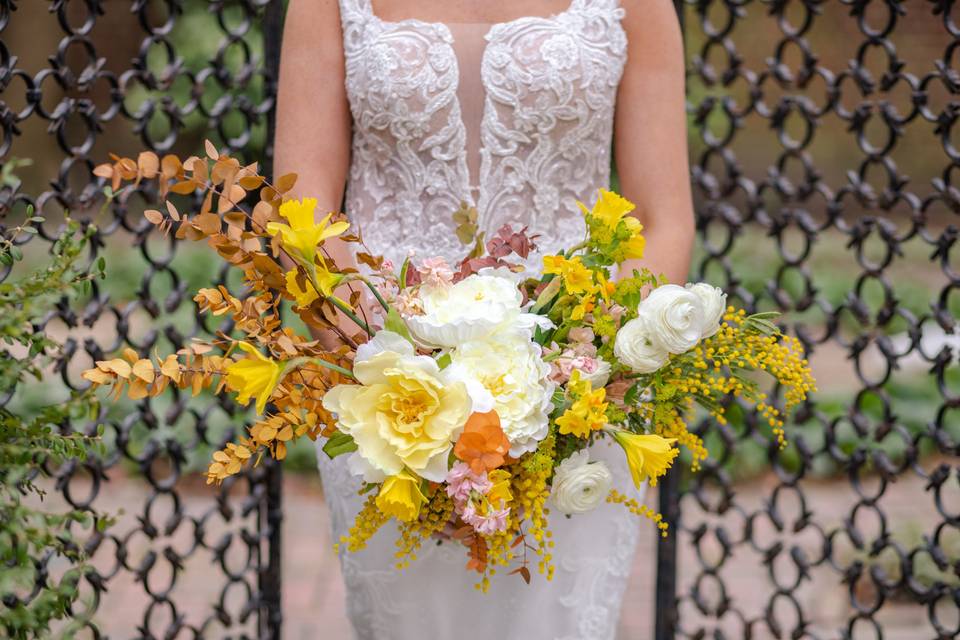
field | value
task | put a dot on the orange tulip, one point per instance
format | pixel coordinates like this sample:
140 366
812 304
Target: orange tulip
483 445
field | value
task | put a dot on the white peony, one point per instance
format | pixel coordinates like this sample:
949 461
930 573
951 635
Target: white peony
674 317
511 368
471 309
635 347
714 302
580 485
403 413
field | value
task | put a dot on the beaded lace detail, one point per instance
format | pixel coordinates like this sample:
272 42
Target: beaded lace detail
548 90
515 119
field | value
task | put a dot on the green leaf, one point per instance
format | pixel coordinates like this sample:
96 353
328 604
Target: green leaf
396 324
630 397
444 361
667 392
338 444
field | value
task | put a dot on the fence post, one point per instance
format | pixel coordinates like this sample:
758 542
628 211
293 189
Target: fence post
271 576
665 626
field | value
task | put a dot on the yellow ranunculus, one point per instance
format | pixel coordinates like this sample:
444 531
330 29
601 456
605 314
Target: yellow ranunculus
400 497
405 413
256 375
303 235
648 455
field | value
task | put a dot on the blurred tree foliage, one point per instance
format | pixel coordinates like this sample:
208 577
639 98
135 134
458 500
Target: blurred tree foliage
32 539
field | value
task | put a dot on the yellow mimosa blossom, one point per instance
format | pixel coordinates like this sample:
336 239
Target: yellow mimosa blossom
400 497
303 296
303 235
577 278
648 455
256 375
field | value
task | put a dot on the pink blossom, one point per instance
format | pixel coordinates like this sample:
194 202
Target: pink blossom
485 524
407 303
581 334
436 272
461 481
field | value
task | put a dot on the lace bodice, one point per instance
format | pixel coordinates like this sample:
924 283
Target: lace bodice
514 119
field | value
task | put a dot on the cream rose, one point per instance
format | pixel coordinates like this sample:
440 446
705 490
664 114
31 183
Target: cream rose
674 317
511 368
635 347
714 302
470 309
405 413
580 485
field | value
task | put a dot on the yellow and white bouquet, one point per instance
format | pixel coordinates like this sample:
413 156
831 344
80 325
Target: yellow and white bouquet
471 395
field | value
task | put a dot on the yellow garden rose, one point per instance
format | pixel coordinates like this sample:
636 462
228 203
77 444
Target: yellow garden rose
405 413
400 497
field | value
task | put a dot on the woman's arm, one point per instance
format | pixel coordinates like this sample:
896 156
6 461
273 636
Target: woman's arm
650 137
313 116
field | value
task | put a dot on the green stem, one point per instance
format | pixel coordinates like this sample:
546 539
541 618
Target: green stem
347 311
334 367
376 294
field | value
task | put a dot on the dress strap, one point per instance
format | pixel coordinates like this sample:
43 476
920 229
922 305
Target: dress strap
353 10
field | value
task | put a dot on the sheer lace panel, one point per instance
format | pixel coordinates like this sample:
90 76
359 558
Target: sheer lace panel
514 118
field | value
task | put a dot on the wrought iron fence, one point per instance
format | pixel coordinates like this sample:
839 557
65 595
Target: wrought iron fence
805 117
823 147
80 79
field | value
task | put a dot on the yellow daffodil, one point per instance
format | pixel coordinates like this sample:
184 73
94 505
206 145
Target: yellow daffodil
304 296
632 249
499 494
577 278
588 412
609 209
400 497
648 455
586 305
303 235
255 375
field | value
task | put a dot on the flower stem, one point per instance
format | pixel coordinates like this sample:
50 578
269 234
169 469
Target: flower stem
376 294
347 311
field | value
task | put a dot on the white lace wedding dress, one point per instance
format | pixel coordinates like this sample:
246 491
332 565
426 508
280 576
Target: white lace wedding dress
516 119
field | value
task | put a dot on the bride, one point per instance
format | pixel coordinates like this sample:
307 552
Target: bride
408 108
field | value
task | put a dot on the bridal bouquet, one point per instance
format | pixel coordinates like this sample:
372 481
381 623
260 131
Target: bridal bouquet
465 396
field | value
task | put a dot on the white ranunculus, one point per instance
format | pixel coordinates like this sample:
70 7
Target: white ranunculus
580 485
511 368
468 310
714 302
634 346
674 317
